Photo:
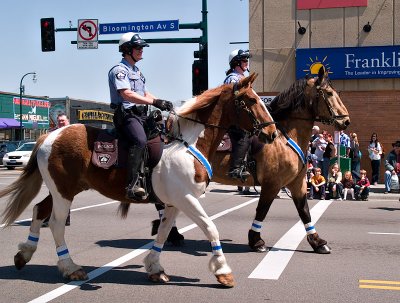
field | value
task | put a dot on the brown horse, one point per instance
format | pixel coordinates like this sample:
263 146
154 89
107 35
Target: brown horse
62 159
278 164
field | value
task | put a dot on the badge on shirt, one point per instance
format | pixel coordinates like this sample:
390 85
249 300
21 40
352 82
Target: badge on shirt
120 75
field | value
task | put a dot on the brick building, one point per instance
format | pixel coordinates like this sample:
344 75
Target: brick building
371 26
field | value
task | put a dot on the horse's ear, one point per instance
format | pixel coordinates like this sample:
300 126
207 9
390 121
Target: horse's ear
248 80
321 74
253 77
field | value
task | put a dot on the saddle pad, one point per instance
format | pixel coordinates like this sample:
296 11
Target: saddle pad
105 153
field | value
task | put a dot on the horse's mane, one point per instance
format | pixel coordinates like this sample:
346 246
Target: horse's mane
202 101
289 100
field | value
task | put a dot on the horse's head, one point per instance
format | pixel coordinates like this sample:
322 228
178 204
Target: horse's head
246 110
327 106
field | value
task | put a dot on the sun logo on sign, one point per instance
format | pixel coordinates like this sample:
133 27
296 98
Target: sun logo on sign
316 64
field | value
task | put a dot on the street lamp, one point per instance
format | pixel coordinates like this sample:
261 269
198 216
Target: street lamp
21 91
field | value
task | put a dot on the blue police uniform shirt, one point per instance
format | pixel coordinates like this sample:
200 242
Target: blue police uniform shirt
233 77
125 76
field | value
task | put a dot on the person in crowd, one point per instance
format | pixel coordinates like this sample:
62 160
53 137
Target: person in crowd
130 100
319 144
238 65
335 187
355 156
392 166
62 120
317 186
374 152
329 153
362 187
311 148
348 185
344 140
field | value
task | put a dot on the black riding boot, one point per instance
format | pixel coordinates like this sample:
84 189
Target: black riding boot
134 189
239 150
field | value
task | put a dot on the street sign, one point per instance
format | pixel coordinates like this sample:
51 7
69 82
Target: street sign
88 33
139 27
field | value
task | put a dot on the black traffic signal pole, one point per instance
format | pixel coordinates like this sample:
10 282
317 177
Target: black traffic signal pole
199 83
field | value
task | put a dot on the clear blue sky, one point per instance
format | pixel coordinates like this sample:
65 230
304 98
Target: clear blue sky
82 74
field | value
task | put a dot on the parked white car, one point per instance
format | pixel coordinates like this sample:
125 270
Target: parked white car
19 157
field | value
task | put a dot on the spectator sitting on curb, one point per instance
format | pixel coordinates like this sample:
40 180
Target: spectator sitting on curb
392 166
362 186
317 186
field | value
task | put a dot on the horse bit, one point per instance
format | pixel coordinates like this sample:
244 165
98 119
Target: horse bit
334 116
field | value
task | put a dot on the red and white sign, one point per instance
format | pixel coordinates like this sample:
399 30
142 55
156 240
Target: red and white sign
313 4
88 33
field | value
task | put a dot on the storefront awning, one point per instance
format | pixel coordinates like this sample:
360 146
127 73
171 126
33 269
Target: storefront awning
8 123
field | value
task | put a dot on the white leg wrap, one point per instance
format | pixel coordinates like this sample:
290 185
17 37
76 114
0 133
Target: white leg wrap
256 226
310 229
216 248
62 252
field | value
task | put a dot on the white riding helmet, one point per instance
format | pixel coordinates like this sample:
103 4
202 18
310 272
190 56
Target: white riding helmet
129 41
237 55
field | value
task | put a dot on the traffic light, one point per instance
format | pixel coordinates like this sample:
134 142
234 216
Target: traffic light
47 31
200 70
199 76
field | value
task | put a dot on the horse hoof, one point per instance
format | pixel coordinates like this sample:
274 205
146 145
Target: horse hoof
226 280
160 277
260 249
19 261
324 249
79 275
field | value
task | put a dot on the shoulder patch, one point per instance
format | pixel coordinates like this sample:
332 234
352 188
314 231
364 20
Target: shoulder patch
120 75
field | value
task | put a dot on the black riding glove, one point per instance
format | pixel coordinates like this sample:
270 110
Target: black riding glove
163 104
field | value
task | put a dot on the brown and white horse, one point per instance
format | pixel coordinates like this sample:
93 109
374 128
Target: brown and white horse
278 164
62 159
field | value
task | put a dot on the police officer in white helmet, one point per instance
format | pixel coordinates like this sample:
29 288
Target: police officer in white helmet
238 65
130 99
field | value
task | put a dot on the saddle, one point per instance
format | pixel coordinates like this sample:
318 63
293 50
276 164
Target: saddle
110 150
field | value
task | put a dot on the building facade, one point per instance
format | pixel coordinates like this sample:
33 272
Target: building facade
285 32
34 116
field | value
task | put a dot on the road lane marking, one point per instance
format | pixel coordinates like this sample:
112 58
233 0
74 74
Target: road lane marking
369 284
376 233
72 210
276 260
133 254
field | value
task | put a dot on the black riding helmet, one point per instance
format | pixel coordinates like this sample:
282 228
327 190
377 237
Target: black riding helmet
129 41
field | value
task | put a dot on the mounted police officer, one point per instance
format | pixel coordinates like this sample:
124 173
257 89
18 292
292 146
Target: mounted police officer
130 99
238 63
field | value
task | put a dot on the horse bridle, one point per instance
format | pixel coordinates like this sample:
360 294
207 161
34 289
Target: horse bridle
239 105
334 117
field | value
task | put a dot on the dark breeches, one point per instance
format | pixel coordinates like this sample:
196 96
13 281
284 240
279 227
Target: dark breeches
133 130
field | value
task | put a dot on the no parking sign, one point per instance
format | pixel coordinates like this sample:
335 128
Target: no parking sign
88 33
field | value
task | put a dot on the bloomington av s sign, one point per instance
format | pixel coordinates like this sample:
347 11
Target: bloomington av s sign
350 62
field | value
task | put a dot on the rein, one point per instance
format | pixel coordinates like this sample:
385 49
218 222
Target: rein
239 105
327 121
334 117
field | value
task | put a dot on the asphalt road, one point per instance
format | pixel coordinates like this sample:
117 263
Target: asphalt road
363 266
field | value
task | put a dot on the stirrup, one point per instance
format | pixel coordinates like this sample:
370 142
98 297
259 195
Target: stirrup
239 173
135 193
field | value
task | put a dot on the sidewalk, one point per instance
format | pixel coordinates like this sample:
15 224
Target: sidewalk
377 193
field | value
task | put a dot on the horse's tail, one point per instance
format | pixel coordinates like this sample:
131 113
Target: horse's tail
23 190
123 209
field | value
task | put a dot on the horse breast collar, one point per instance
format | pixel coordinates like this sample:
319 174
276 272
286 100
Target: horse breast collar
293 144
